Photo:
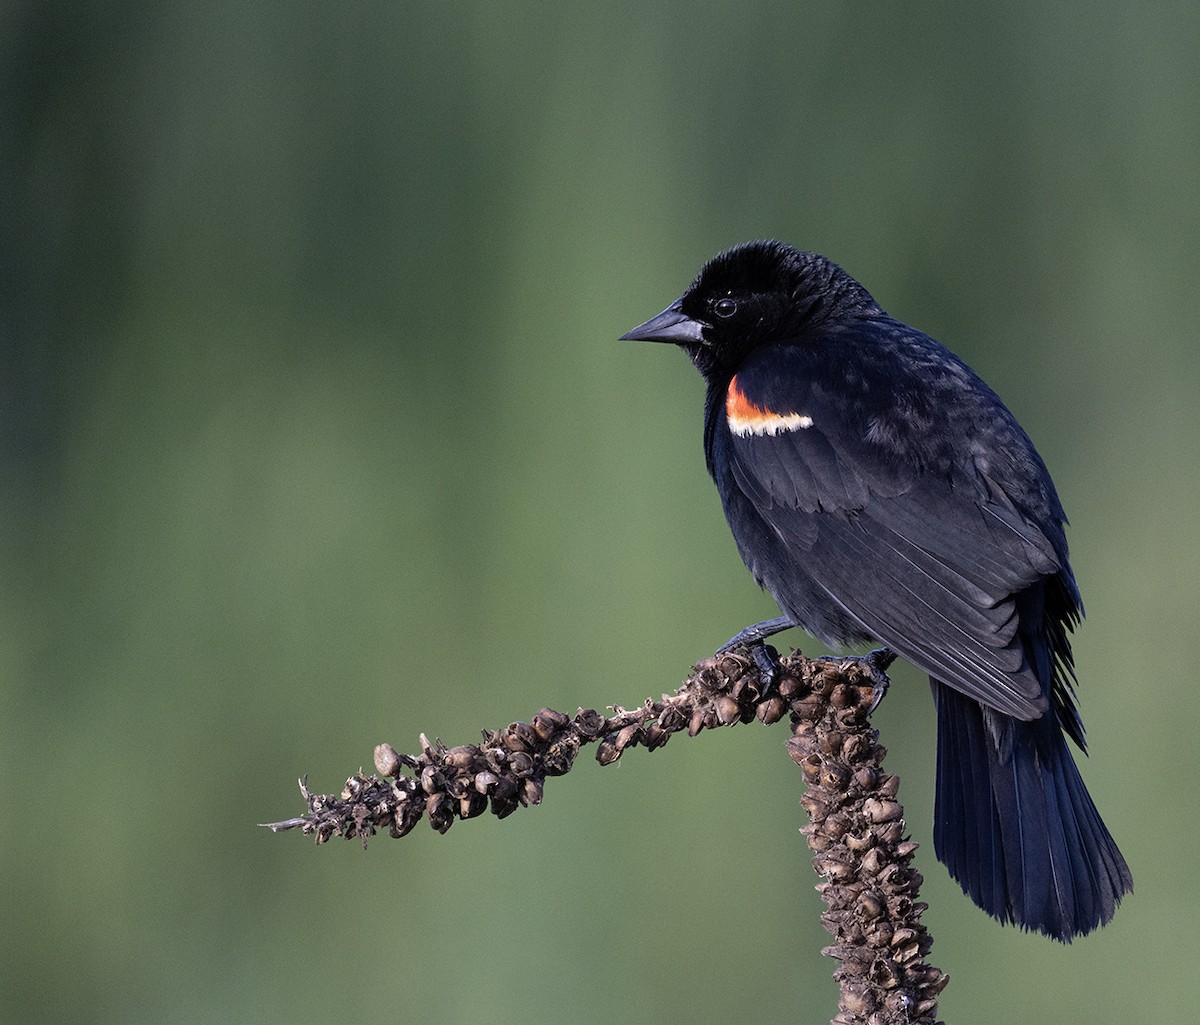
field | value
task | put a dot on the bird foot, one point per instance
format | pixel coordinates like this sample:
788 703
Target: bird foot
766 658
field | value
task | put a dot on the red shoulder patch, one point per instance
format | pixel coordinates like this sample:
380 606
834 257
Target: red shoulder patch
746 417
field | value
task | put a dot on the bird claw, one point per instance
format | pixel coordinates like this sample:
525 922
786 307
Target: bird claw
876 663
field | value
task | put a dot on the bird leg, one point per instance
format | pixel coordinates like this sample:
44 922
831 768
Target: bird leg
756 634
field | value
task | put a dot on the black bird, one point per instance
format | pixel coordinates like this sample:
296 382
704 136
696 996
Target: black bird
879 490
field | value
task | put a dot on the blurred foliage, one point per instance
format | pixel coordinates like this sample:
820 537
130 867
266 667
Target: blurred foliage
315 434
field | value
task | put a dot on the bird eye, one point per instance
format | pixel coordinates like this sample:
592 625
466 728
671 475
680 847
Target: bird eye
725 308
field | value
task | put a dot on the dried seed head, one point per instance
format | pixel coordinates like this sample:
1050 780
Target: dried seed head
879 934
834 864
837 824
891 832
561 755
857 748
817 808
798 748
857 1000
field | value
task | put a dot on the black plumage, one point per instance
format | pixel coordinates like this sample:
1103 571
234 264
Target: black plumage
880 491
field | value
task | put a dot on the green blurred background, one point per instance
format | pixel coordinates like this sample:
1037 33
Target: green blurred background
315 434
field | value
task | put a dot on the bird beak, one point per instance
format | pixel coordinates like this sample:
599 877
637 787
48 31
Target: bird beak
672 325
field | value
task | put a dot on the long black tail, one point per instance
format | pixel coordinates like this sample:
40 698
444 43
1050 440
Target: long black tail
1015 825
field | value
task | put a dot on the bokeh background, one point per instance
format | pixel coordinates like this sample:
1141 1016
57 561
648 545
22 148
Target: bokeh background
315 434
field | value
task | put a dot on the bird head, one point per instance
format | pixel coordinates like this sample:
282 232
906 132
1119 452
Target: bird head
757 293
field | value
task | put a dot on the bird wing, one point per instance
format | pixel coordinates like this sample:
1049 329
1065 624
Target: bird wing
927 561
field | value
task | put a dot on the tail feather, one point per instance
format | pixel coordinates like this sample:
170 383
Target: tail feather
1015 825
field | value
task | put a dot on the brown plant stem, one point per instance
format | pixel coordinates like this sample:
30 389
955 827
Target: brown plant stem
855 830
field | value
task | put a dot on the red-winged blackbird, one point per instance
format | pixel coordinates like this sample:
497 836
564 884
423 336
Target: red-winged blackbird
878 489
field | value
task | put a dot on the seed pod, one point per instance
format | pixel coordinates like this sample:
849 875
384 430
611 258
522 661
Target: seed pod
519 736
460 757
844 696
548 722
520 763
889 785
867 777
728 710
387 760
590 723
881 811
671 719
771 710
885 972
655 737
870 905
431 779
873 861
504 797
810 765
485 781
857 748
860 842
606 751
835 775
440 811
789 686
629 736
471 804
